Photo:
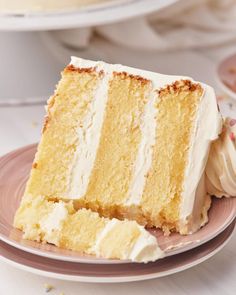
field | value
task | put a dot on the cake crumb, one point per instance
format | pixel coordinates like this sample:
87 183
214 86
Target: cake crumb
48 288
34 124
230 106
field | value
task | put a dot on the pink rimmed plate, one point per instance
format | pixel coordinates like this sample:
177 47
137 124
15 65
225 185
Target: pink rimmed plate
14 171
226 75
110 273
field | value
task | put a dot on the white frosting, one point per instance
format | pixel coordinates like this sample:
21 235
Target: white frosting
88 138
159 80
144 156
221 165
146 248
53 222
207 128
107 229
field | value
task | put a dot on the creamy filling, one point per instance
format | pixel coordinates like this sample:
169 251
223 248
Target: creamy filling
107 229
53 222
144 155
146 248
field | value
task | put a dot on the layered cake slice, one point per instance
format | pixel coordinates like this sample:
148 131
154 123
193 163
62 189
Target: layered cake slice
128 144
84 231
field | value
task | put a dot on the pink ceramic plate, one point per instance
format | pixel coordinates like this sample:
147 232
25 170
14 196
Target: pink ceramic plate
227 75
14 171
108 273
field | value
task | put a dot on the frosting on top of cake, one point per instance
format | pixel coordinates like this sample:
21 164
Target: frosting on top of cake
221 165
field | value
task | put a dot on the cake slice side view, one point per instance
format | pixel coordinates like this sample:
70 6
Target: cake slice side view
128 144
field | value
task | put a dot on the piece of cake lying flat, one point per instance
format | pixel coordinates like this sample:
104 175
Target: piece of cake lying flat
84 231
128 144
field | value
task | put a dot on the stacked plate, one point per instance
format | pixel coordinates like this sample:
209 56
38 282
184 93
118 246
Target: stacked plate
182 252
226 76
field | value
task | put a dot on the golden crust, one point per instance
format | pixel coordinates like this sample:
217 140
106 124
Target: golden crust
91 70
125 75
46 123
178 86
71 68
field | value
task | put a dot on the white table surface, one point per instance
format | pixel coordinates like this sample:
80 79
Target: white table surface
20 126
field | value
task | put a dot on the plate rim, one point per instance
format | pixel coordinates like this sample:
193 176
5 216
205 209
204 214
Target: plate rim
219 80
120 279
94 260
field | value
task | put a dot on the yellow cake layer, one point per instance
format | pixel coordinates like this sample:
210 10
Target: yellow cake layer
177 106
84 231
51 171
119 140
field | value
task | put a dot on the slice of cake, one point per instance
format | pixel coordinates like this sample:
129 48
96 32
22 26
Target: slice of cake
128 144
84 231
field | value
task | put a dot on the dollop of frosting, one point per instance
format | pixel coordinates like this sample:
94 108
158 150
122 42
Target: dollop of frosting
221 165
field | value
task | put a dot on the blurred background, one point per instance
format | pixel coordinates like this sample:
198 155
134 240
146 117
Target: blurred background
195 38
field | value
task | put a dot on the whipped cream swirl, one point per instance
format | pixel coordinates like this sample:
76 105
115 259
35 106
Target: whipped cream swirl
221 165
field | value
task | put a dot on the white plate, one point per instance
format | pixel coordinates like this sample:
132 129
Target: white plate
95 15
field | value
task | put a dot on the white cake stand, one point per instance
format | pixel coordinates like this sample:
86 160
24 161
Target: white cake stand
29 67
116 10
